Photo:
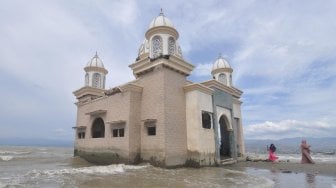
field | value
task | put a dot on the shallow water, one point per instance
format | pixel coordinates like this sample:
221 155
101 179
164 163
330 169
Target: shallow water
55 167
296 158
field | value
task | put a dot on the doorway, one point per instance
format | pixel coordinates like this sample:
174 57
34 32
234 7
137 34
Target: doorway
225 149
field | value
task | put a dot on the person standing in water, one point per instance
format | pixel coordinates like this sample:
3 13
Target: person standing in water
305 150
271 151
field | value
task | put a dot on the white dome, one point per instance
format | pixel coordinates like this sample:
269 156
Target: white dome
144 47
221 63
161 20
95 62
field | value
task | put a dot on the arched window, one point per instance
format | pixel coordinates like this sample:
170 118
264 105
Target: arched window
86 79
96 80
98 128
222 78
171 45
156 46
206 120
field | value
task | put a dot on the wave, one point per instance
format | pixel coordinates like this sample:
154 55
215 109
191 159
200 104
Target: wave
6 157
7 152
2 185
296 157
92 170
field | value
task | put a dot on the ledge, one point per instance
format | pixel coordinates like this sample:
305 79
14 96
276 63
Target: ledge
96 112
231 90
80 127
198 87
116 122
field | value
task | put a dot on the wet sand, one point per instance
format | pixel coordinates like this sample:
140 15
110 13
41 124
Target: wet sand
328 169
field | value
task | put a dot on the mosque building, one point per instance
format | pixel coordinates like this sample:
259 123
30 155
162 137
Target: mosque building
160 116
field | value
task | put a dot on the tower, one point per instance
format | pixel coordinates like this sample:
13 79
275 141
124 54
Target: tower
161 70
160 40
222 71
95 73
94 86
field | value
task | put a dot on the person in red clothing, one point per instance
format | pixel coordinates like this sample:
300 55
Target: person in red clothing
271 151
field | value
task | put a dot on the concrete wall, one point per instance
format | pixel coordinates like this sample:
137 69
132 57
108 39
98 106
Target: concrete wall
239 126
175 118
163 100
152 107
108 149
135 126
200 141
224 106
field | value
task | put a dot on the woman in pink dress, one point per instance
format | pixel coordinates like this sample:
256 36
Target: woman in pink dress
305 150
272 157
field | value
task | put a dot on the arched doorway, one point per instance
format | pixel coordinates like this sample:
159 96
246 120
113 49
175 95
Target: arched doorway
225 149
98 128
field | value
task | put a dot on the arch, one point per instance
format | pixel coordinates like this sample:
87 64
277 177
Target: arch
225 142
86 79
171 45
98 128
222 78
96 80
156 46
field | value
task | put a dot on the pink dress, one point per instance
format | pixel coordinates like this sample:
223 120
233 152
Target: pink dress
272 157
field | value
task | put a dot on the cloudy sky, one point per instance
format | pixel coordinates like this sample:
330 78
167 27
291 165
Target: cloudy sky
283 54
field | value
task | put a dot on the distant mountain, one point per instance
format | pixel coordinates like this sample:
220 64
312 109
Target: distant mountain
292 145
35 142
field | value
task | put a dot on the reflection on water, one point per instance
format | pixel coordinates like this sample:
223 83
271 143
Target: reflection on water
291 179
310 179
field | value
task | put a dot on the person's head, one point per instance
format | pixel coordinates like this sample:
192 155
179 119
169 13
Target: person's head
303 141
272 148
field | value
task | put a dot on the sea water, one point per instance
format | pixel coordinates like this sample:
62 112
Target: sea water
56 167
296 157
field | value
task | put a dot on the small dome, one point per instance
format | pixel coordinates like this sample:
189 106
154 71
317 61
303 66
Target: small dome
95 62
144 48
161 20
221 63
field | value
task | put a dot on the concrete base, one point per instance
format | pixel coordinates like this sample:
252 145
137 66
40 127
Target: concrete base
105 158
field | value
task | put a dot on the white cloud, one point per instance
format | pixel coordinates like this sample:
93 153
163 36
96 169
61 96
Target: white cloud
288 129
282 52
202 69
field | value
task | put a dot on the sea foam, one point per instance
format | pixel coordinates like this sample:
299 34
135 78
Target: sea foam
6 157
92 170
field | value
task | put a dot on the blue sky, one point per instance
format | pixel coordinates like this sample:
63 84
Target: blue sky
282 53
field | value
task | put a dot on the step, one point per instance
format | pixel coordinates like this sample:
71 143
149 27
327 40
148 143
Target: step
228 161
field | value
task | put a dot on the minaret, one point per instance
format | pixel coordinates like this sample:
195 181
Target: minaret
161 71
95 73
161 39
161 42
94 87
222 71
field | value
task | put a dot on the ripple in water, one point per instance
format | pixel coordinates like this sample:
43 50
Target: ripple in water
142 176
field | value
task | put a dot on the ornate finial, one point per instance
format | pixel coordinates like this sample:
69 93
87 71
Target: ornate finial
96 54
161 13
219 55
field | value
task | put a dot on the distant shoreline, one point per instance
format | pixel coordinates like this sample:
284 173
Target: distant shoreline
328 169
